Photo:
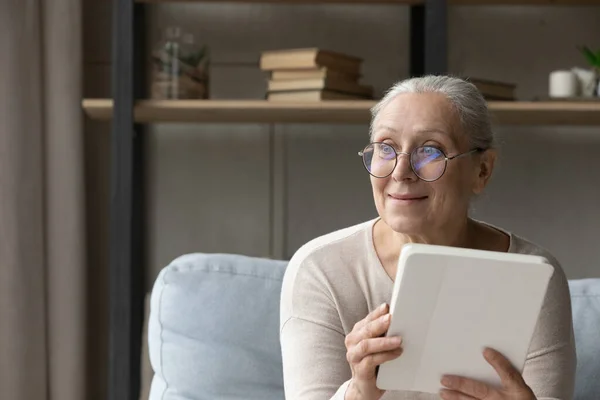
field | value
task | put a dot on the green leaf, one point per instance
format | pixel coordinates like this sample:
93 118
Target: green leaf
591 57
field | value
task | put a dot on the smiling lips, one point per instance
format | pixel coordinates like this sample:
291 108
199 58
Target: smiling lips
406 198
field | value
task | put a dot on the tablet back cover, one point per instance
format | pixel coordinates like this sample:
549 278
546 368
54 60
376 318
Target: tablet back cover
449 303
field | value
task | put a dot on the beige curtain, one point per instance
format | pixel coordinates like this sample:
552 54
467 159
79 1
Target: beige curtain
42 232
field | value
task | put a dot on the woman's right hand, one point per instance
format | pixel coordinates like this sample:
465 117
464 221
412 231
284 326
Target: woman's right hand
366 349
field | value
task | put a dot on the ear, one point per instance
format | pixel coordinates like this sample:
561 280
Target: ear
484 170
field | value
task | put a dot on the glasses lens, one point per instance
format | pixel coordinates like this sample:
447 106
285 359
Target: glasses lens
428 162
379 159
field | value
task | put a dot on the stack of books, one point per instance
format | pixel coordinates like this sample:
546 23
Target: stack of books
313 75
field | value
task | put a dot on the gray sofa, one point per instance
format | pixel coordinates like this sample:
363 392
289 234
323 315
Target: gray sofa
213 330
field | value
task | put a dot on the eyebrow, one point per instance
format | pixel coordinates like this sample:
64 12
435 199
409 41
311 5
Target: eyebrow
418 131
433 130
449 135
384 128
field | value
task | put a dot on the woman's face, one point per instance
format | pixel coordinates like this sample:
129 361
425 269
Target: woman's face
406 203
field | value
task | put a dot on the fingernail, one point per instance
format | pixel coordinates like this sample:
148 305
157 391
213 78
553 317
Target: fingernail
387 317
443 394
382 307
396 340
446 381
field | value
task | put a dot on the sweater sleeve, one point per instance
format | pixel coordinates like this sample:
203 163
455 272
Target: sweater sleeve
312 337
314 363
550 365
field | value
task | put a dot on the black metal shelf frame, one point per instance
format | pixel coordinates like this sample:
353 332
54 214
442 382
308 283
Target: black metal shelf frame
428 42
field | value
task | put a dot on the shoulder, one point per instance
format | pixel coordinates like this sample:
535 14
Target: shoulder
323 263
558 295
519 244
522 245
332 242
329 250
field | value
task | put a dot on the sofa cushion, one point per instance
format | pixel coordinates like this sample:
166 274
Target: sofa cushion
214 329
585 299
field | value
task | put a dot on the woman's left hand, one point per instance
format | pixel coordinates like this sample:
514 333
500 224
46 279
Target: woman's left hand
513 385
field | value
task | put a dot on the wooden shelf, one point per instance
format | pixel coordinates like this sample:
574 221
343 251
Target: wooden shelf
525 2
331 112
405 2
252 111
546 112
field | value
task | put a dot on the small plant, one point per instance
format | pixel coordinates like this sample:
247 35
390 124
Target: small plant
593 58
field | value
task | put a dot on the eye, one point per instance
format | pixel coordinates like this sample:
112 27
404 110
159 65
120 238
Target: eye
386 151
426 155
431 151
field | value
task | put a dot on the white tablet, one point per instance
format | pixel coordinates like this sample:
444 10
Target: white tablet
449 303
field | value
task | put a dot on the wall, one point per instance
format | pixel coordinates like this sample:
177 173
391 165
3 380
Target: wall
229 211
209 184
546 187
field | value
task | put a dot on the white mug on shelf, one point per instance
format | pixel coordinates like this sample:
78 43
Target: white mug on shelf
564 84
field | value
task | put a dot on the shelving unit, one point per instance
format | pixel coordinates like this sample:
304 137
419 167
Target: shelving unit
428 55
404 2
524 2
332 112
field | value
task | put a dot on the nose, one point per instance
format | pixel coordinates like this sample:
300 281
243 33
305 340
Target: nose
403 170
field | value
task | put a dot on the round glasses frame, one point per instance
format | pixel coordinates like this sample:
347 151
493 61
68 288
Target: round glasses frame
414 151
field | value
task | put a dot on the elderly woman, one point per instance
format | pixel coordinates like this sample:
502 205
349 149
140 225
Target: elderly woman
431 151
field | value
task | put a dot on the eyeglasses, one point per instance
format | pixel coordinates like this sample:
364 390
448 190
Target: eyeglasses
427 162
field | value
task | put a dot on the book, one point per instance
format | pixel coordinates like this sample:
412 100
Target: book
309 58
313 73
310 96
449 303
335 85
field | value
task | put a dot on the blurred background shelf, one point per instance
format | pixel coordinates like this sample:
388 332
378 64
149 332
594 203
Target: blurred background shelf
525 2
343 112
399 38
406 2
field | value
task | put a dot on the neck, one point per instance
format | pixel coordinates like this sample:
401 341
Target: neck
456 234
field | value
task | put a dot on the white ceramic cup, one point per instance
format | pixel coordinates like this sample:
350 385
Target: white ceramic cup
563 84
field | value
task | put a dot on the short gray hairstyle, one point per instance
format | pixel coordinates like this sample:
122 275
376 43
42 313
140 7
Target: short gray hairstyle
467 100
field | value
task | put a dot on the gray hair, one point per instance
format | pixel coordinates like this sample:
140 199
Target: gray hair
464 96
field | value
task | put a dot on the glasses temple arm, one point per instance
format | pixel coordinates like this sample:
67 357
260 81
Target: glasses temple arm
478 149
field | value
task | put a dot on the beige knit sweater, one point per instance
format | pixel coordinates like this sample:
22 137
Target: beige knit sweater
334 281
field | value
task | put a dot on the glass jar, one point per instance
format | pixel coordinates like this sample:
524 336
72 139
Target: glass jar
180 67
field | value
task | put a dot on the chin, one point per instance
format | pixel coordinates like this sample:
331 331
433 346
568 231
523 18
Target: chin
407 224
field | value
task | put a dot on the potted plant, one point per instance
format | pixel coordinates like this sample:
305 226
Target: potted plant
593 59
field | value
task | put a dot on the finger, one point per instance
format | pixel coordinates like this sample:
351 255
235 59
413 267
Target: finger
376 328
373 329
471 387
372 316
508 374
371 346
366 368
453 395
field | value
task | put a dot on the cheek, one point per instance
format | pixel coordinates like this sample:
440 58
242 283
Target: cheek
451 193
378 185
